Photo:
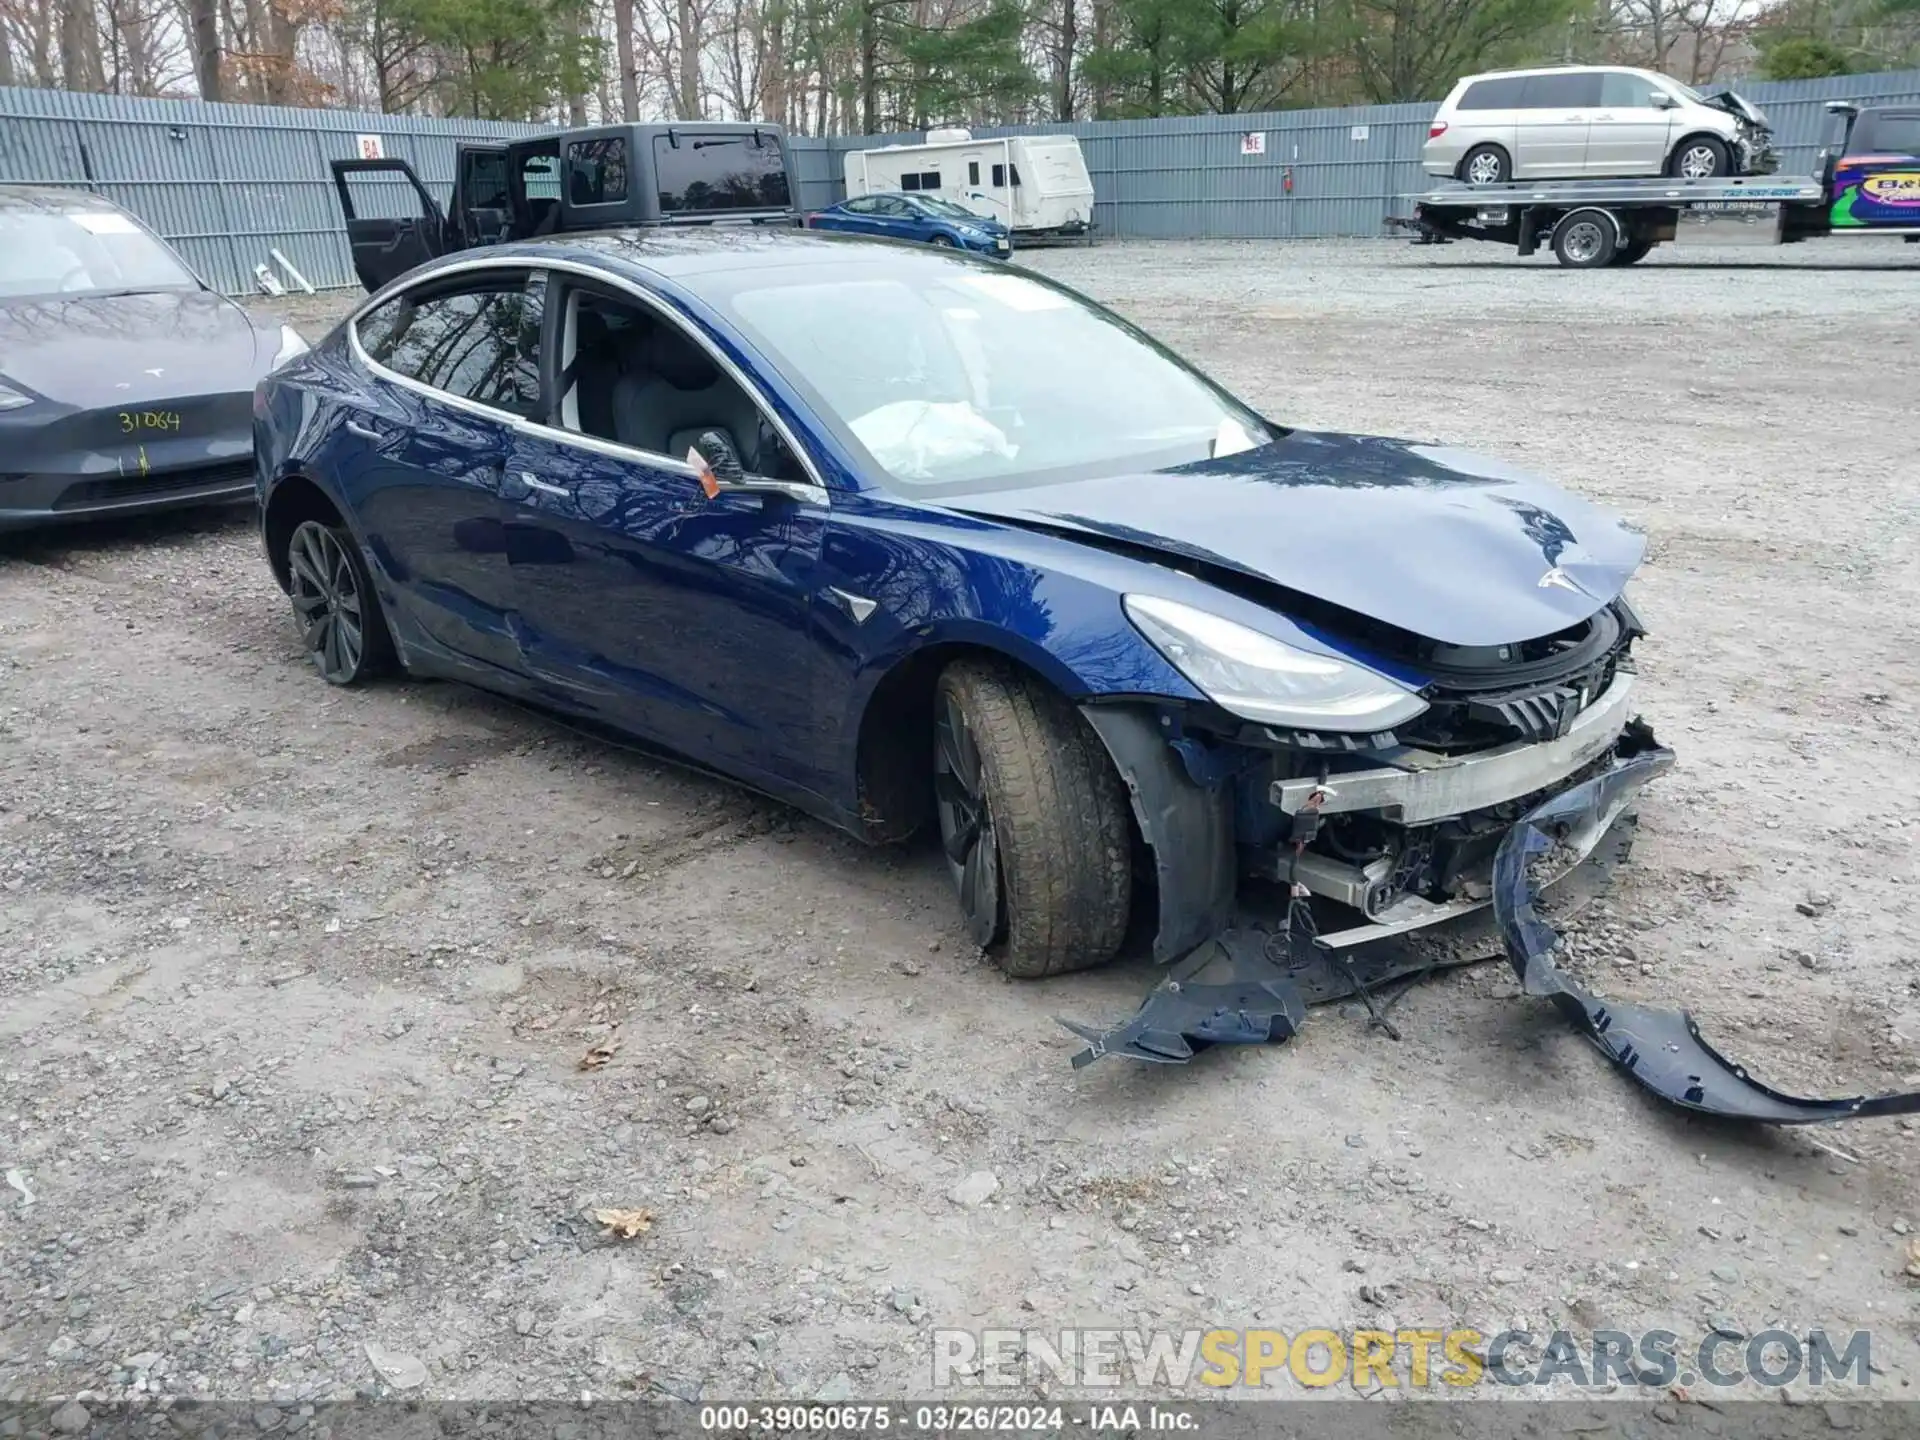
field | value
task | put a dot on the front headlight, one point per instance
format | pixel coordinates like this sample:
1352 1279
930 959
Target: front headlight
1260 678
291 344
11 399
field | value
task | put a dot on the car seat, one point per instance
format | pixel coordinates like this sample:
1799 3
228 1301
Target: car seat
670 390
594 366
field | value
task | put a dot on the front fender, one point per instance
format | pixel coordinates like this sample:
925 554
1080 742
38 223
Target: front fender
1187 827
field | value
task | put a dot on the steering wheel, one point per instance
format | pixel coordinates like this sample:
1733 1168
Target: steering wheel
84 275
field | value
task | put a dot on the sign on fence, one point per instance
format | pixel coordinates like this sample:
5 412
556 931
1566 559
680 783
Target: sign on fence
370 147
1254 143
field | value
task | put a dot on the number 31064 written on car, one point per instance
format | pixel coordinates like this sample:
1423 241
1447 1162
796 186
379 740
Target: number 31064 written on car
135 422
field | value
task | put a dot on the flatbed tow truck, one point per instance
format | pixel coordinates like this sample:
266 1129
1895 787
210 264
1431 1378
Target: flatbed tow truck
1868 184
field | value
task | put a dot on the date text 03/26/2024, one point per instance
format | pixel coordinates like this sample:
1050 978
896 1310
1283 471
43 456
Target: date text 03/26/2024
944 1419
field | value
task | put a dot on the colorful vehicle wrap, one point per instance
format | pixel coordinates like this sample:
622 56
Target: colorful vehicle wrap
1876 190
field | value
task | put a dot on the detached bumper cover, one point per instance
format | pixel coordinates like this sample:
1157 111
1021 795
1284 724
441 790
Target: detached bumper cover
1661 1049
1233 990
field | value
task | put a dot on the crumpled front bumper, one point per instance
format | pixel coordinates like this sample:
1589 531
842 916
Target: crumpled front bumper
1240 987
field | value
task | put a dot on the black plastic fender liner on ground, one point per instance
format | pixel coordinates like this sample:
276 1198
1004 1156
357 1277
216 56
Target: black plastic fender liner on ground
1662 1049
1227 992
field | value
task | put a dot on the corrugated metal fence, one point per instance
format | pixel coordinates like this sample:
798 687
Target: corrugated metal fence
1320 173
226 183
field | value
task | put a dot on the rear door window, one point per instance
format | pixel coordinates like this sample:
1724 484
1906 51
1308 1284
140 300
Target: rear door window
1502 93
1560 92
485 181
704 173
480 342
598 170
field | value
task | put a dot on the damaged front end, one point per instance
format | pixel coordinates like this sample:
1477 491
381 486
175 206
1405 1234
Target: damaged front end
1755 154
1290 864
1385 832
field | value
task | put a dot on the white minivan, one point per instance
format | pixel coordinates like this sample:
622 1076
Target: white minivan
1571 122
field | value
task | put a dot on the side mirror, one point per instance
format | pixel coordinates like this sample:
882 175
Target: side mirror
1661 100
717 462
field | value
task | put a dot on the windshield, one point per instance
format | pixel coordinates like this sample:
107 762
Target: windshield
82 252
944 207
1685 92
945 373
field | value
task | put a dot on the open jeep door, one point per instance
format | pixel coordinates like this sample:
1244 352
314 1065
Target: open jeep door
386 246
482 200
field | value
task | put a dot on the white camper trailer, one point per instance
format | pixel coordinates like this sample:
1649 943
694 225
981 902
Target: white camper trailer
1035 185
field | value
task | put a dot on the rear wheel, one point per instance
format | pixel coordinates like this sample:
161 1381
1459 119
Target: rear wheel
1633 252
341 624
1033 821
1700 157
1586 239
1486 165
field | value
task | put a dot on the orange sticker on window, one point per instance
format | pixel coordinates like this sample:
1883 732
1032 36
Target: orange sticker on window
709 482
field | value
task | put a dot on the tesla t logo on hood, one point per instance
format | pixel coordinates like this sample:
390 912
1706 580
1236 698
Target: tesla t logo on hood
1557 578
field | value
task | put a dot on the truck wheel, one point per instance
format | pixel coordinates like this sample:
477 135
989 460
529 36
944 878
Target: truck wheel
1486 165
1033 820
1700 157
1633 252
1586 240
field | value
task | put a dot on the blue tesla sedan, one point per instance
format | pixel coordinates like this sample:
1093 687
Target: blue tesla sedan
928 219
907 537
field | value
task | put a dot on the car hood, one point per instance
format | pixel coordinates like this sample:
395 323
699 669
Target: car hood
90 351
1737 106
1456 547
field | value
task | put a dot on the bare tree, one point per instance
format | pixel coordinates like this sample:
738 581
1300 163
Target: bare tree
203 39
80 67
623 57
691 39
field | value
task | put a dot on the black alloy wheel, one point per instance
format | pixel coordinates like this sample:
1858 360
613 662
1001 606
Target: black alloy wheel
334 606
966 823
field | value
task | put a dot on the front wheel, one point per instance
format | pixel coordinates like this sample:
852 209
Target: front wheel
341 625
1586 240
1700 158
942 242
1033 821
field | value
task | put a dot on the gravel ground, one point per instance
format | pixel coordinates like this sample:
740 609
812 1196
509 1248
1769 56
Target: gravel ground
296 984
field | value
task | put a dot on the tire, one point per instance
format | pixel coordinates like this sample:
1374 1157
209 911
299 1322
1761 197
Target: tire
1033 822
1586 240
1700 157
1633 252
342 625
942 242
1486 165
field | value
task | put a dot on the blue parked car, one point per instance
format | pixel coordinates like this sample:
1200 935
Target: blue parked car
925 218
906 537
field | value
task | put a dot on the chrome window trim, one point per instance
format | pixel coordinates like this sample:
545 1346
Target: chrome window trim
815 493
